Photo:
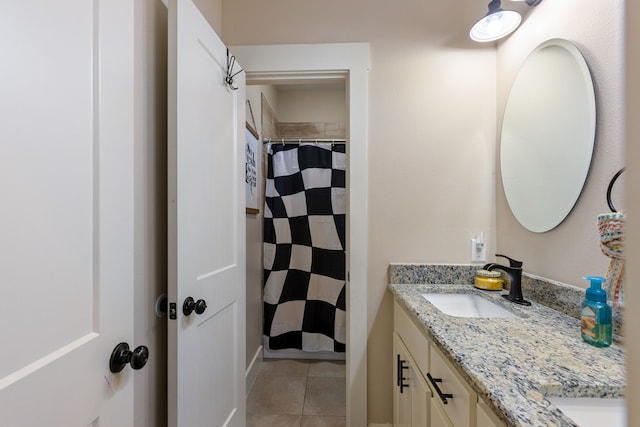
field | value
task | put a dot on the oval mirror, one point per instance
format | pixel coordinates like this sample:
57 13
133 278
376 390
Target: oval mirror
548 134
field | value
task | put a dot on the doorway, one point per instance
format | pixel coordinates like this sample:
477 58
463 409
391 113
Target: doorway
304 248
348 63
301 380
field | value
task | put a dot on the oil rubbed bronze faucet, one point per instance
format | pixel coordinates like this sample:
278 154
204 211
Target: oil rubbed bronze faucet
514 271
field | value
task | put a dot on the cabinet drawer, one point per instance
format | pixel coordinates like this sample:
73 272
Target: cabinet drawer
461 406
412 337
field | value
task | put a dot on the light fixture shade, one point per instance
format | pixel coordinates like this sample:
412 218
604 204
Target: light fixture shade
495 25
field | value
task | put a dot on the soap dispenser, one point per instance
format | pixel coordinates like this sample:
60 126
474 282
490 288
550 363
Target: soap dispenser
596 314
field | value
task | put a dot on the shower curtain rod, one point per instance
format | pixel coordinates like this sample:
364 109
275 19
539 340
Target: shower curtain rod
301 140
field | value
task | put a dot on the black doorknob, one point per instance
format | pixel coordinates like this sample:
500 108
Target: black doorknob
121 355
190 305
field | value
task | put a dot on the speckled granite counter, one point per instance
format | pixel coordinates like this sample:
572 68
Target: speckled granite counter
556 295
513 363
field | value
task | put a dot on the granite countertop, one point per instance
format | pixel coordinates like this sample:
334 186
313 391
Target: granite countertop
514 363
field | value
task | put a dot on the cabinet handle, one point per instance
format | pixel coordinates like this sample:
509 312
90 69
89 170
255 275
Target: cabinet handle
443 396
399 377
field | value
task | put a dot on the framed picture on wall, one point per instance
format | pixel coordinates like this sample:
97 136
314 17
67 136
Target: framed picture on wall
251 169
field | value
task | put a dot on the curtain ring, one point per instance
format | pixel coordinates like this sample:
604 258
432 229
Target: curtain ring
610 187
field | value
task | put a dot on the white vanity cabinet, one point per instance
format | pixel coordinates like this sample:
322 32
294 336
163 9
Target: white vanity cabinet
436 394
451 393
438 417
411 395
486 417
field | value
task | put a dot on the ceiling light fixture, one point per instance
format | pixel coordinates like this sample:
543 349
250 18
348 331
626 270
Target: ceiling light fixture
498 22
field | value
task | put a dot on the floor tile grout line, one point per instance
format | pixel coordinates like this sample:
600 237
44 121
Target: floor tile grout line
304 400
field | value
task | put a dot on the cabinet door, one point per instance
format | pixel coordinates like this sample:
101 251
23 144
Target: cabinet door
486 417
460 398
401 375
416 343
437 416
420 399
411 393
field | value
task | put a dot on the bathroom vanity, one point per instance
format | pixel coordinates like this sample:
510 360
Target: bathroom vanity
429 390
461 371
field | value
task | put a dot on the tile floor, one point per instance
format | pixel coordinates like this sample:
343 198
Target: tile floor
298 393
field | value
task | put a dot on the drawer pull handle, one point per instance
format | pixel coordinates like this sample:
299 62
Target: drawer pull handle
443 396
399 377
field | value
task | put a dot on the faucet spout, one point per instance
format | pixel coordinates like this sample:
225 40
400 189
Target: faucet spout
514 271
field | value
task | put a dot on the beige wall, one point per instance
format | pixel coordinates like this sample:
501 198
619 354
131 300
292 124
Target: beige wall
633 197
150 192
312 105
431 134
254 236
212 11
433 112
596 27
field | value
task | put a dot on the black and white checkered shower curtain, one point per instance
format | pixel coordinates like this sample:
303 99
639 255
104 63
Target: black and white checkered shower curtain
304 247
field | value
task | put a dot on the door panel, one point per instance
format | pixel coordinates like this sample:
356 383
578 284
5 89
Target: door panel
47 209
216 400
206 226
66 222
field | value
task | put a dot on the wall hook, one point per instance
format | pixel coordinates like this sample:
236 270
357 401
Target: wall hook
231 62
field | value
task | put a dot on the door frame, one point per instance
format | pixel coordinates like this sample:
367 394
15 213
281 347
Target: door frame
348 61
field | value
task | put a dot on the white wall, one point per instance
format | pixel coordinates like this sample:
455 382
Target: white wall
596 27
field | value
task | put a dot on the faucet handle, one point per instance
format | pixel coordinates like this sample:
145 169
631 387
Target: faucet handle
512 262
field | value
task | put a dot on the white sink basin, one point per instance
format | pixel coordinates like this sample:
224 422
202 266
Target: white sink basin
587 411
467 305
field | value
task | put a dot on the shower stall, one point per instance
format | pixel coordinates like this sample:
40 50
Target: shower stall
302 222
304 247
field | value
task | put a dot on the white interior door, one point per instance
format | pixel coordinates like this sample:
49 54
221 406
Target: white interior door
206 227
66 211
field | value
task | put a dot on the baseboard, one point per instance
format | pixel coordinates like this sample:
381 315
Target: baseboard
253 369
299 354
